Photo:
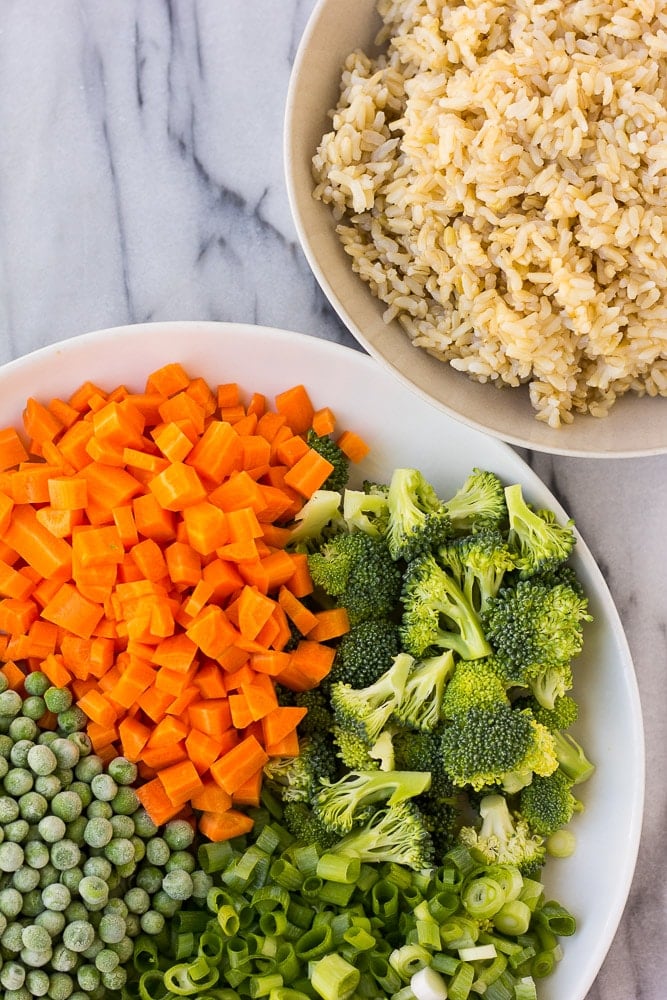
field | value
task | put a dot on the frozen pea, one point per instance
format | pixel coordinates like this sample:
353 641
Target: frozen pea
4 766
99 808
57 699
183 860
123 826
115 980
78 935
6 744
18 781
11 856
47 737
72 720
36 938
37 982
137 900
36 683
4 683
118 906
66 751
125 802
179 834
157 851
32 903
82 742
132 925
124 949
88 977
65 854
20 750
106 960
34 707
75 829
12 975
22 727
202 883
178 884
52 920
65 775
93 891
122 770
119 851
48 874
51 829
41 759
76 911
103 787
33 806
71 878
61 986
152 922
112 928
56 896
35 959
10 702
143 824
67 805
82 790
165 904
11 937
11 902
21 994
17 831
98 831
99 866
9 809
139 848
64 959
48 785
25 879
149 877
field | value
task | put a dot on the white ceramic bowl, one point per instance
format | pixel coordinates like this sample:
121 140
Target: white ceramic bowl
634 426
594 883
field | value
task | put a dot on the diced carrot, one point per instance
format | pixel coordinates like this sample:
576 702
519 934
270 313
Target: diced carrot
210 797
236 766
180 781
353 445
177 487
296 406
331 624
205 526
202 749
309 664
324 421
280 722
309 473
156 802
12 449
221 826
248 794
287 747
210 715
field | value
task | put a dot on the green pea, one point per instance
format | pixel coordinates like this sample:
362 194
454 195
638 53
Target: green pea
48 874
76 828
112 928
6 743
36 683
36 854
11 902
123 826
132 926
118 906
165 904
51 829
139 848
64 959
36 938
67 805
82 742
58 699
10 702
65 775
9 809
72 720
34 707
18 781
71 878
33 806
137 900
37 982
179 834
11 937
12 975
78 935
103 787
99 866
98 831
183 860
20 751
106 961
93 891
178 884
17 831
76 911
48 785
98 808
61 986
149 877
157 851
11 856
143 824
52 920
152 922
202 883
47 737
116 979
66 751
4 683
125 802
119 851
42 760
32 903
25 879
22 727
56 896
124 949
88 977
65 854
82 790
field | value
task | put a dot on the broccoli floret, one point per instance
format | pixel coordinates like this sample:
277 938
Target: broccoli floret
473 683
392 834
572 759
421 703
418 520
437 615
417 751
342 804
536 630
319 718
358 571
367 510
478 562
498 745
547 803
305 826
503 838
364 712
297 778
325 446
478 503
442 808
319 518
357 755
365 652
541 543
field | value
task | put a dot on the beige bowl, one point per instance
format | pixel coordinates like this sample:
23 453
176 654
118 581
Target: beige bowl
634 427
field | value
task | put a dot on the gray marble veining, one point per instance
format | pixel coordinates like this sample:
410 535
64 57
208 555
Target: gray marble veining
141 178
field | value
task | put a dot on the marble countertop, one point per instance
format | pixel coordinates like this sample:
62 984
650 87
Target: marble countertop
141 179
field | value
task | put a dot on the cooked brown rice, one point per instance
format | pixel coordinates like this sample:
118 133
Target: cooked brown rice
499 178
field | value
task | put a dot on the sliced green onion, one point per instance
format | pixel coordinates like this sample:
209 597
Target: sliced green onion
525 989
385 899
459 932
428 934
513 918
334 978
228 920
428 984
561 844
385 976
359 939
408 959
543 964
478 953
557 919
314 943
461 982
483 897
215 856
338 868
261 986
286 874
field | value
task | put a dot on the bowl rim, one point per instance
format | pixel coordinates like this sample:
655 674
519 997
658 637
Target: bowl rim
311 219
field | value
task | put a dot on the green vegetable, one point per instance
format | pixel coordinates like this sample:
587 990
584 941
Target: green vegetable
358 571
